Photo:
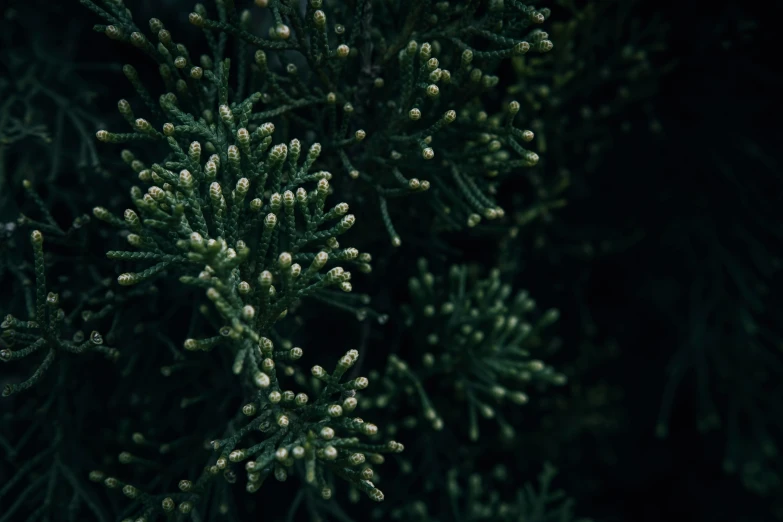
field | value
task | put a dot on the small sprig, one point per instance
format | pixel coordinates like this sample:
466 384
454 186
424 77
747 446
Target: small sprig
283 433
43 330
476 340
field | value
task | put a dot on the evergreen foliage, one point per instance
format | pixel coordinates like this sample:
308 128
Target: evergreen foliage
451 173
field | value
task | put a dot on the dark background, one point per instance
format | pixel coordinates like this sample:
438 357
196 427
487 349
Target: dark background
723 94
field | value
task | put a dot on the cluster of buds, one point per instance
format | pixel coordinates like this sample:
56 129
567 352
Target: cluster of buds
297 433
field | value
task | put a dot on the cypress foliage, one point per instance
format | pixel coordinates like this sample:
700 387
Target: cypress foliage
348 259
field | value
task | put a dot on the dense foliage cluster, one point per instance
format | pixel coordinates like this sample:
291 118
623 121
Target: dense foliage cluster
193 196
